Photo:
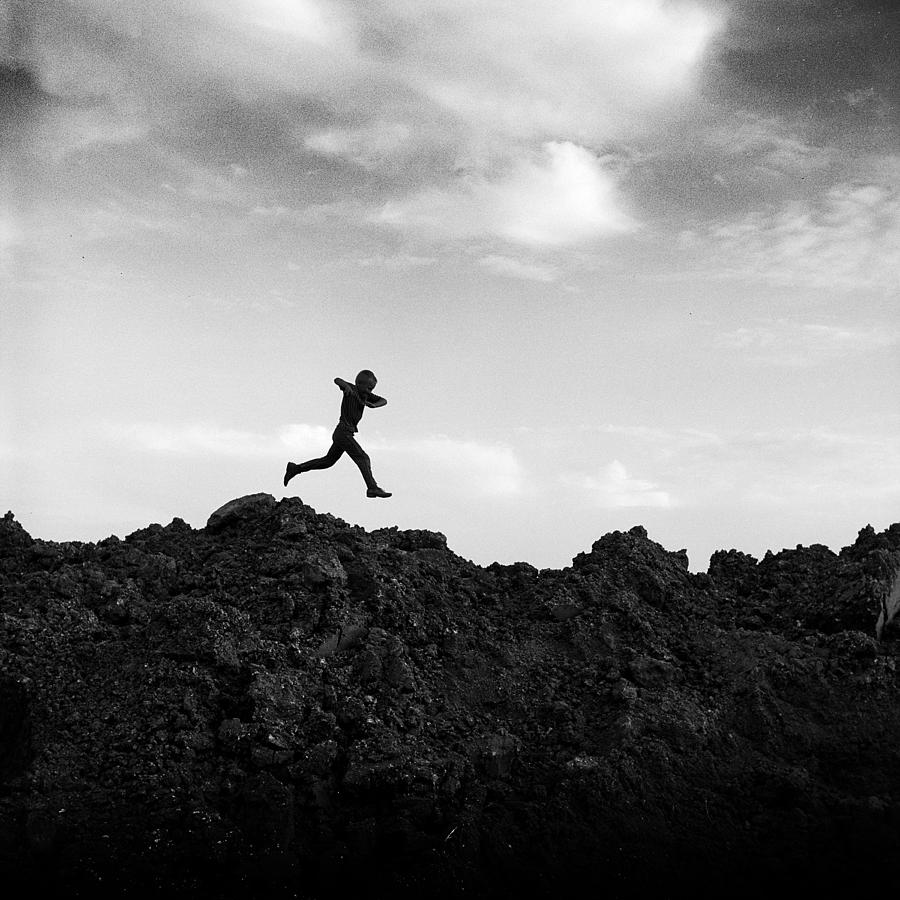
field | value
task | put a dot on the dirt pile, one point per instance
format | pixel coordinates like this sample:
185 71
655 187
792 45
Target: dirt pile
282 704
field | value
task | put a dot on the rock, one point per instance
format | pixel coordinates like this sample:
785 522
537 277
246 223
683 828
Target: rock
344 638
322 572
253 506
624 691
13 536
652 673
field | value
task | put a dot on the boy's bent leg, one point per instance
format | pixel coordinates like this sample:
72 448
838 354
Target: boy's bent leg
323 462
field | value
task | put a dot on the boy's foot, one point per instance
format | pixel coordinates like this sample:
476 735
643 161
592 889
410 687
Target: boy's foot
290 472
377 492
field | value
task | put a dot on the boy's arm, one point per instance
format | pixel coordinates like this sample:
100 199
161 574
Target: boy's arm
343 385
374 401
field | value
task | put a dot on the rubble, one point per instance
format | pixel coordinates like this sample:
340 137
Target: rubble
281 704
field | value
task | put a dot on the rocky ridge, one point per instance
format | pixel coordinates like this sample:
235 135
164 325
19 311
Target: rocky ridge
283 704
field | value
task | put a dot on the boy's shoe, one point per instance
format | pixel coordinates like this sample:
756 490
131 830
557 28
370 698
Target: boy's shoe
290 472
377 492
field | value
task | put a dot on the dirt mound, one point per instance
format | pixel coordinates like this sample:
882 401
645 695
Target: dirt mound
282 704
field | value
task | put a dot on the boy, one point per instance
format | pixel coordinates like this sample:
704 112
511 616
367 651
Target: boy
356 398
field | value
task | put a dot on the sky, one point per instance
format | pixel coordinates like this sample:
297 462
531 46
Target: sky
613 262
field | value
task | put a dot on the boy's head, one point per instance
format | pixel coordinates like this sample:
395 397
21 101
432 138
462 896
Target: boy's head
366 380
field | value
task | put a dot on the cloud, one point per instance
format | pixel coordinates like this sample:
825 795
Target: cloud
368 81
847 236
297 45
397 261
509 267
792 344
479 468
576 68
492 469
367 146
782 468
615 488
564 195
768 145
204 439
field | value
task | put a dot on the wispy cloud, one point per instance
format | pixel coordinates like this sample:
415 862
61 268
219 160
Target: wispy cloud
614 487
754 468
518 103
564 195
510 267
476 467
527 70
583 70
848 236
784 467
206 439
396 261
472 466
768 145
792 344
369 146
779 468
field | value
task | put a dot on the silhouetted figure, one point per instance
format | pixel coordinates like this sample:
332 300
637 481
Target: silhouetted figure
356 398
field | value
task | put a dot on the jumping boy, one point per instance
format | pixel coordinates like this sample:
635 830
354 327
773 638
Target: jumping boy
356 398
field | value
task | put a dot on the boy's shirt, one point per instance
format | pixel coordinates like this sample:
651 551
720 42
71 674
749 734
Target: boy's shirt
353 406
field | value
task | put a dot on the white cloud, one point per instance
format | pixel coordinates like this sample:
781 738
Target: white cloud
367 146
492 469
300 45
398 261
769 145
814 467
615 488
792 344
782 468
578 68
69 129
203 439
509 267
301 439
398 87
847 237
562 196
478 72
310 21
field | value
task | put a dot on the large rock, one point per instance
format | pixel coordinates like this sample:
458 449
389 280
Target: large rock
253 506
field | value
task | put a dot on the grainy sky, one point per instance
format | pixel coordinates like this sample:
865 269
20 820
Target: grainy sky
613 262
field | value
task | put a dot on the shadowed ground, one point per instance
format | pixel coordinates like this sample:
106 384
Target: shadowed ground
281 704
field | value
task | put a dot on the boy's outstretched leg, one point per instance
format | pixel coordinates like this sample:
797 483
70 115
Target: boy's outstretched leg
325 462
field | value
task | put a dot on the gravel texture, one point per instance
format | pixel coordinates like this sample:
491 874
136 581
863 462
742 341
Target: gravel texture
284 705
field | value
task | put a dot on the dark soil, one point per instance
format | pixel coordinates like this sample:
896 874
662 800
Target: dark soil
284 705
